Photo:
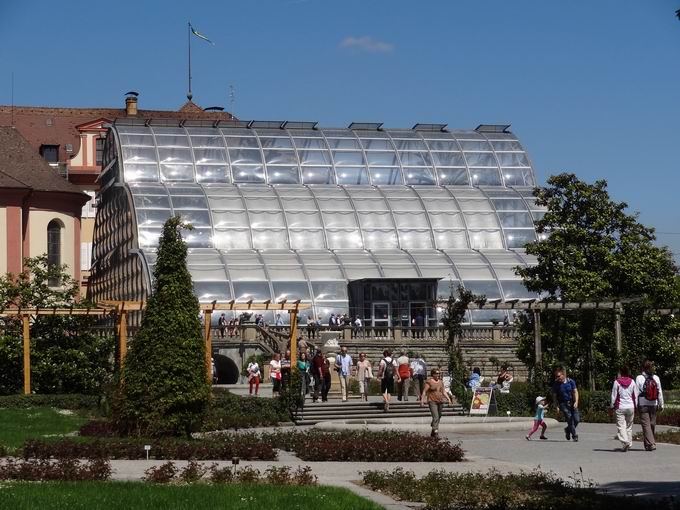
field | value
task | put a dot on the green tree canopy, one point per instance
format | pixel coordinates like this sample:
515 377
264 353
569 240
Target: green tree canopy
591 249
164 388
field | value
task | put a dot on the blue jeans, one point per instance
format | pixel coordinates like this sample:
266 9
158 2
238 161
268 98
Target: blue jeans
572 416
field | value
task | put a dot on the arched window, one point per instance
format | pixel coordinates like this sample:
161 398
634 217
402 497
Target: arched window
54 249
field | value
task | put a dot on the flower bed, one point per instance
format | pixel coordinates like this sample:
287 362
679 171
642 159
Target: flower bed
440 490
61 469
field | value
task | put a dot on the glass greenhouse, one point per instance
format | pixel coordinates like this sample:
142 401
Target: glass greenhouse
291 211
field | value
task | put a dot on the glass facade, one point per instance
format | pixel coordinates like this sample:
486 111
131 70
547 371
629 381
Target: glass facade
298 213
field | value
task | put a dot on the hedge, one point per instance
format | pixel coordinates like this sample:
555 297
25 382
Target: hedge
72 401
228 411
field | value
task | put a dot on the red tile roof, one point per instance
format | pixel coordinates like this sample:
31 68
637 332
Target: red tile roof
22 167
57 126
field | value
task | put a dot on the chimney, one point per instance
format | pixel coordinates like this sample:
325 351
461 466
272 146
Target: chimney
131 104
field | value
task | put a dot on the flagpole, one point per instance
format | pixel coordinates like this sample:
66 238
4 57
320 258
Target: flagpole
189 94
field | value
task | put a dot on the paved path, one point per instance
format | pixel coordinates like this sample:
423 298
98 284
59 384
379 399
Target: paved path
594 458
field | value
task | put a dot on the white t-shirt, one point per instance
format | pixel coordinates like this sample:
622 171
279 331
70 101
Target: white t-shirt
254 369
626 396
642 401
275 368
383 364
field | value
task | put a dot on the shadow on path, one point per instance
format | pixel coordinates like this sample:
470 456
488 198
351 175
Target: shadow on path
637 488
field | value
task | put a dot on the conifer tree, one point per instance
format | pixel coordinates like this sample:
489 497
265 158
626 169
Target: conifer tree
164 389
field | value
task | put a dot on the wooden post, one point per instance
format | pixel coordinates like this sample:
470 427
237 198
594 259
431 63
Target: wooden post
122 335
208 344
27 353
293 339
537 337
617 331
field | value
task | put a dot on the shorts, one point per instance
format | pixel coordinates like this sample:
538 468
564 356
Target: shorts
387 385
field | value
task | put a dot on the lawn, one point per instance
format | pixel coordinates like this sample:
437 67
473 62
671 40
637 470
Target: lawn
17 425
135 495
670 436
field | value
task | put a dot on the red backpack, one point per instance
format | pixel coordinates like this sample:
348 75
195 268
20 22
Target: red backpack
650 390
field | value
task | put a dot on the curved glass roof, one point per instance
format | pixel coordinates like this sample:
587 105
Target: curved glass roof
297 213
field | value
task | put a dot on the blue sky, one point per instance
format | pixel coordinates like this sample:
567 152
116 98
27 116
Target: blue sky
590 87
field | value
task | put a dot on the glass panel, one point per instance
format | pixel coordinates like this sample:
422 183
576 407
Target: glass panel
152 217
447 287
291 291
343 143
339 220
280 157
270 239
242 142
375 220
410 145
324 272
245 156
512 204
299 204
212 173
207 141
181 173
470 145
175 155
370 204
415 159
303 219
487 316
344 239
198 238
207 292
528 177
232 239
386 175
330 291
148 237
140 173
506 145
309 143
481 240
243 173
275 142
450 239
266 219
516 289
139 155
410 220
481 220
380 239
356 272
415 176
485 177
483 288
139 140
314 157
515 219
382 158
196 218
306 239
372 144
188 202
415 240
231 219
512 159
446 220
443 145
209 156
352 175
405 204
256 291
448 158
283 174
453 177
318 175
517 238
348 158
480 159
151 201
218 203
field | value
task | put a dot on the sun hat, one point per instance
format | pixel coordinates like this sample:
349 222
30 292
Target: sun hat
539 399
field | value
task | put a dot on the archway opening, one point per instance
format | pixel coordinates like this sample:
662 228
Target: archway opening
227 370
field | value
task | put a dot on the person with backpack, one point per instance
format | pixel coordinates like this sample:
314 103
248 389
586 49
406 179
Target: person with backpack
387 370
650 400
624 397
565 394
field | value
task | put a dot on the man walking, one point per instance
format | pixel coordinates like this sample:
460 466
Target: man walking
317 369
565 395
419 369
343 364
650 400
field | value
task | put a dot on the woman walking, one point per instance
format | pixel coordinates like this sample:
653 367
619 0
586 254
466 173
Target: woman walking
387 370
364 374
435 396
624 397
275 373
303 367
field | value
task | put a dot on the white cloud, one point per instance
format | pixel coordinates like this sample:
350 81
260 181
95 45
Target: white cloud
366 43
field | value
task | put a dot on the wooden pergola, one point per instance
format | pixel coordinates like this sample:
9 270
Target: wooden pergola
121 309
536 307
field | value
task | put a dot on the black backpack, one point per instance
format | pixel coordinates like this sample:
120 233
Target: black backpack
389 368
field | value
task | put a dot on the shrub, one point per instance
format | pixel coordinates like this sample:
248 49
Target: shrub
234 411
98 428
161 474
61 469
365 446
278 475
221 474
244 447
247 474
166 390
71 401
303 476
193 472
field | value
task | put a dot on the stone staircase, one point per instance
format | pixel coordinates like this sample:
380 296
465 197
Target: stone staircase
475 354
358 410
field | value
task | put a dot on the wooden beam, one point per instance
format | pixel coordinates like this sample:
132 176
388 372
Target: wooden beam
617 332
27 353
537 337
229 305
122 336
549 305
53 311
208 342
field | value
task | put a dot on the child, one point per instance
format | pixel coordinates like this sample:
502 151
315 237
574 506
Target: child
538 419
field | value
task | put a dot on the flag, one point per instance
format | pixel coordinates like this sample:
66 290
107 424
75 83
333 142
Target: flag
200 35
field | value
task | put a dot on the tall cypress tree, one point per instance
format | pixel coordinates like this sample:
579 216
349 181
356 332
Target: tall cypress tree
164 389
